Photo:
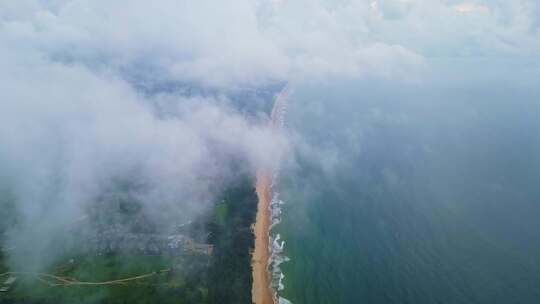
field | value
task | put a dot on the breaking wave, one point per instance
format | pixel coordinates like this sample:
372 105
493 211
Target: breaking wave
277 245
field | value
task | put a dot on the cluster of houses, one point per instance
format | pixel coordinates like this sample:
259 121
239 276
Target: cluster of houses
145 244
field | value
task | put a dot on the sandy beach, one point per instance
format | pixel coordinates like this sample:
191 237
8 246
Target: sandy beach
261 291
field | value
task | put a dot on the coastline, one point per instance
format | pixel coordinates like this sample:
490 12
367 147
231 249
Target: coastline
261 291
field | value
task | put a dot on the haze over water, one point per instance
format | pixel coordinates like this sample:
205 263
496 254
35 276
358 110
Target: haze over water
411 162
414 192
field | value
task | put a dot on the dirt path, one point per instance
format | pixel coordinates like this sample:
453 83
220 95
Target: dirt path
53 280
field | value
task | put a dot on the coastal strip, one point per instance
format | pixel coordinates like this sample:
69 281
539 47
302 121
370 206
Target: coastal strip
261 291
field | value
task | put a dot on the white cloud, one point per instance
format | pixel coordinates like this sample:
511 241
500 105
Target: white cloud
70 117
68 133
466 8
245 42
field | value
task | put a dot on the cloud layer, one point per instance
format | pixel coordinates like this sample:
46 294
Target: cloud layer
76 113
252 42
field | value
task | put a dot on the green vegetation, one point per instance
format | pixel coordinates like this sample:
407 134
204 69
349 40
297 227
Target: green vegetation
224 276
169 279
220 214
229 275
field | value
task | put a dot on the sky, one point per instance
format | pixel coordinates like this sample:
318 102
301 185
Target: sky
75 112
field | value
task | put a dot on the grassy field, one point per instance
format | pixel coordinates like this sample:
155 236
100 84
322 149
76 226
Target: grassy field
147 279
222 277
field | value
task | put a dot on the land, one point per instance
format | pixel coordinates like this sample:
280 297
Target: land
207 261
230 269
261 290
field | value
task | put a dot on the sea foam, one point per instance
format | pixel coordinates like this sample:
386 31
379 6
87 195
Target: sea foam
277 245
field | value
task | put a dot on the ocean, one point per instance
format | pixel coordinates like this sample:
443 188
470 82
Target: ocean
410 193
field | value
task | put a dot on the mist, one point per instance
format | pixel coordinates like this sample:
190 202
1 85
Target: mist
68 136
425 191
165 97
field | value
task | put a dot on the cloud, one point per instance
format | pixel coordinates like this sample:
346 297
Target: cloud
466 8
76 112
69 134
255 42
202 41
213 44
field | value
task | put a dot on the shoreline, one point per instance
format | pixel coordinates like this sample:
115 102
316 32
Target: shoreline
261 291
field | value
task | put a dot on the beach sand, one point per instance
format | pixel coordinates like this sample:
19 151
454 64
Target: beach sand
261 291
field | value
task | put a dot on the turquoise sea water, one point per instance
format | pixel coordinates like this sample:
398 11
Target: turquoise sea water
402 194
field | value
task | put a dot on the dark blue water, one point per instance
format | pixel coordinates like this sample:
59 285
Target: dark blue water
404 193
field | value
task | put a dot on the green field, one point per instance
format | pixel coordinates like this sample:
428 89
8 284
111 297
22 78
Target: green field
224 276
115 279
